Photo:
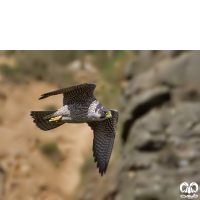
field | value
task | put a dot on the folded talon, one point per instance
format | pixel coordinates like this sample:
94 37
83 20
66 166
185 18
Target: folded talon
55 119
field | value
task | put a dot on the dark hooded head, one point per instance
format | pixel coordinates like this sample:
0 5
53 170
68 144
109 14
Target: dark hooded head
103 112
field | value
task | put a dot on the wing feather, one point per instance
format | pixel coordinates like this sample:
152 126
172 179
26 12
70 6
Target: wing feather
74 94
104 135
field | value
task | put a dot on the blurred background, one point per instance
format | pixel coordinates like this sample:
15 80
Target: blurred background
157 145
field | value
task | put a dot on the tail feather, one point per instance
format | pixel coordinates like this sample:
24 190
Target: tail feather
42 123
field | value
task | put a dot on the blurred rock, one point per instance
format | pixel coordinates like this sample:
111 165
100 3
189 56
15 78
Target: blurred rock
166 151
85 64
182 71
140 104
138 64
148 59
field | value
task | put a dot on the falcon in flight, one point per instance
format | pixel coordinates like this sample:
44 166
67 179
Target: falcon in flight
80 106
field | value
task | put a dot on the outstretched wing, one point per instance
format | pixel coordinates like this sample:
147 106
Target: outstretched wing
104 135
74 94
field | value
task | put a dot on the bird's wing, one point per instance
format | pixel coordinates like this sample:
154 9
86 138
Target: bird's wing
74 93
104 135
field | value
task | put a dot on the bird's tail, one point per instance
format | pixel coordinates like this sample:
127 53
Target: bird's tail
44 124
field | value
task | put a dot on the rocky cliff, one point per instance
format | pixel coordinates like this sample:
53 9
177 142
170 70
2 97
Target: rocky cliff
160 137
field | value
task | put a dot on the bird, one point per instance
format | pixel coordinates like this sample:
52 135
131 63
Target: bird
81 106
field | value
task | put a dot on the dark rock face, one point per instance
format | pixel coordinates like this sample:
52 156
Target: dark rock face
141 104
161 151
161 129
161 146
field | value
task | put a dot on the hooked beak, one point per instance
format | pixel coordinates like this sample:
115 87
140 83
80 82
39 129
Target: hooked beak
109 115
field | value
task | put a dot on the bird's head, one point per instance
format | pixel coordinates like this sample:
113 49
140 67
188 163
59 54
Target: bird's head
105 113
102 112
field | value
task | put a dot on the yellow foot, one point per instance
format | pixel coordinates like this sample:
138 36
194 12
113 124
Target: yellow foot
56 120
